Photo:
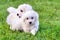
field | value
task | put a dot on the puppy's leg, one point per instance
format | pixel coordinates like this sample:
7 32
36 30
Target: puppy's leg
13 27
34 30
25 29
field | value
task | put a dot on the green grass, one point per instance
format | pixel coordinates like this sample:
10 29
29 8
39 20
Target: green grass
49 19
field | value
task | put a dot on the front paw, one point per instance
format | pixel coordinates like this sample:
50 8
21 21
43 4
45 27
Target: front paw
12 28
33 32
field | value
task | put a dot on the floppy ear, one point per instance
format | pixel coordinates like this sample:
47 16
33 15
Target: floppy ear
11 10
37 16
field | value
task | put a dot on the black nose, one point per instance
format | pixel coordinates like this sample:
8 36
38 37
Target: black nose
17 14
30 22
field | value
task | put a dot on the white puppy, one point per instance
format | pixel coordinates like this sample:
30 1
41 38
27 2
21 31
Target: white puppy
13 18
14 21
30 22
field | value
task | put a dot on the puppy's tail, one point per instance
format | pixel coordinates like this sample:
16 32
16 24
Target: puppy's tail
11 10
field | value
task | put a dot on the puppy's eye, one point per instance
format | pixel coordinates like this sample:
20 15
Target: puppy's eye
17 14
21 10
31 17
27 18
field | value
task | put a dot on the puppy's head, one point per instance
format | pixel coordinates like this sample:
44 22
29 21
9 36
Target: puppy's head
30 18
23 8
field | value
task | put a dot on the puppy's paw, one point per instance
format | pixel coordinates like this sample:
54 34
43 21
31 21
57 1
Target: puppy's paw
33 32
12 28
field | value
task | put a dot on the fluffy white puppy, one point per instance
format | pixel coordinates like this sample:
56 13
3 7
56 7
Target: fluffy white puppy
30 22
14 21
13 18
24 8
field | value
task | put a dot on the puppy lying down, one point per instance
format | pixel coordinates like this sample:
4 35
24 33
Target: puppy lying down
28 21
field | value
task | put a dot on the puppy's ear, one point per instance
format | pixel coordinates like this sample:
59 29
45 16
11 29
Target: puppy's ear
11 10
37 19
37 16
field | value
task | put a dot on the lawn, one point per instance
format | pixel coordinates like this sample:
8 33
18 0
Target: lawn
49 19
